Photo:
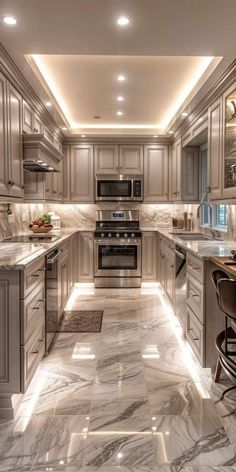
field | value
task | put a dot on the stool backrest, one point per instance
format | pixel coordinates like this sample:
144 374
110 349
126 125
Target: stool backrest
227 297
216 276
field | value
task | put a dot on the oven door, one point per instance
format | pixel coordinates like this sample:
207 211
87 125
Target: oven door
118 258
110 188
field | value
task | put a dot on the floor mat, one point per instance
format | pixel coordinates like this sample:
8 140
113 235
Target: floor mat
81 321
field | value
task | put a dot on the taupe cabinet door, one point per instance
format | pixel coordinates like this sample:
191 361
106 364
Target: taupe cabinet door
149 256
175 171
15 141
106 159
156 173
131 159
86 259
10 332
215 149
4 188
81 173
184 173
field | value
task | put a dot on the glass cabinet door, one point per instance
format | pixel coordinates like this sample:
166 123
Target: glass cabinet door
230 140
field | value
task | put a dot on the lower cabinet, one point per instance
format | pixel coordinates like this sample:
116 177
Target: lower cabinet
74 260
86 256
149 251
166 266
63 274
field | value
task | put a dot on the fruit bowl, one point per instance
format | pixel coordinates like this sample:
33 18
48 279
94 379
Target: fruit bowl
41 229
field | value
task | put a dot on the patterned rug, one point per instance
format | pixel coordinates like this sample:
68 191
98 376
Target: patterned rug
81 321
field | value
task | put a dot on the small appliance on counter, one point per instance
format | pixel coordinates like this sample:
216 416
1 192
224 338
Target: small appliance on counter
55 220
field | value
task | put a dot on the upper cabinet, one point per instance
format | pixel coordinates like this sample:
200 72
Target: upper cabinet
31 122
11 167
215 149
229 142
81 173
156 173
118 159
184 173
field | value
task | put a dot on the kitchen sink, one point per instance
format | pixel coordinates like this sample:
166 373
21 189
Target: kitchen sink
195 237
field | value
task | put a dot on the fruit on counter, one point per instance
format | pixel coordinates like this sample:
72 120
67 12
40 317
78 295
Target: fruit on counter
43 221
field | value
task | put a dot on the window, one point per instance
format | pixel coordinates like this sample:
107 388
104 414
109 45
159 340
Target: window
219 217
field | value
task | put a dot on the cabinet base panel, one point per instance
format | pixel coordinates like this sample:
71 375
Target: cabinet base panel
119 282
9 405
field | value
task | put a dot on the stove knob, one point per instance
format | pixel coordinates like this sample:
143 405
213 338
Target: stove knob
132 235
126 235
102 235
117 235
109 235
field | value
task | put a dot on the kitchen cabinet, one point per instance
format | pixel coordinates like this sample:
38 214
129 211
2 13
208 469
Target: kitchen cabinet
166 266
74 260
197 132
81 173
86 257
11 167
4 187
66 174
31 123
149 256
156 173
229 143
15 149
184 173
130 159
118 159
215 149
63 267
106 159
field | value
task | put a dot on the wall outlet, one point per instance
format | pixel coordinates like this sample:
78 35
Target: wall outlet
23 217
11 218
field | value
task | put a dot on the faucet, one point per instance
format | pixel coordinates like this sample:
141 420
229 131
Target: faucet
203 202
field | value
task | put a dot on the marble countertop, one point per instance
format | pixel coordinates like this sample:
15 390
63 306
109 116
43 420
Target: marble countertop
203 249
18 256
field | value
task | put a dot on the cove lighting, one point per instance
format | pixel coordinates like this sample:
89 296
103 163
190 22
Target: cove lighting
123 21
10 20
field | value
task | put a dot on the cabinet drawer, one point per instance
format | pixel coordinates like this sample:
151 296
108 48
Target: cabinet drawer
195 334
31 354
195 267
32 276
32 309
196 297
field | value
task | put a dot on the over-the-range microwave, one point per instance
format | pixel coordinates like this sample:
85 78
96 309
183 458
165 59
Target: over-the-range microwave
119 188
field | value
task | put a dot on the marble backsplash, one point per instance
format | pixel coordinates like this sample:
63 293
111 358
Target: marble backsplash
151 216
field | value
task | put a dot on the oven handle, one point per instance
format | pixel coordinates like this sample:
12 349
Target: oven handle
53 259
180 255
117 242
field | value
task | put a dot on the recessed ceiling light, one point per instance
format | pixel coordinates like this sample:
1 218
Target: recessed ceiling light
155 136
123 21
121 78
171 132
10 20
120 98
83 135
119 113
184 113
48 104
64 128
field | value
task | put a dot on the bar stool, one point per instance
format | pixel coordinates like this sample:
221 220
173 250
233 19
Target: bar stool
226 296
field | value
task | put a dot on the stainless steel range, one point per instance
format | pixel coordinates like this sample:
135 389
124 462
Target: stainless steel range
117 249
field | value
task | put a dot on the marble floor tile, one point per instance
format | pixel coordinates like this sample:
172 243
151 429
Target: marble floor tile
122 407
20 441
180 441
64 444
107 448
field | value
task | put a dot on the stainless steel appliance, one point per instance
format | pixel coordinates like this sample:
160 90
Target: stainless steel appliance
119 188
117 249
53 296
180 284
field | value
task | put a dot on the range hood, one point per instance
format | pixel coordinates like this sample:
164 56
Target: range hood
40 154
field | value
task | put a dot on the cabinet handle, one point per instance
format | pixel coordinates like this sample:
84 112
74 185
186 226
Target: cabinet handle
38 273
208 189
54 191
193 293
39 306
194 339
23 186
174 193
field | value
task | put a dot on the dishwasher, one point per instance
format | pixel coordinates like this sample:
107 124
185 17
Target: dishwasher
180 285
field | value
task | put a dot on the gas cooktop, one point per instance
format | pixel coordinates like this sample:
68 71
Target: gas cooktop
27 238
